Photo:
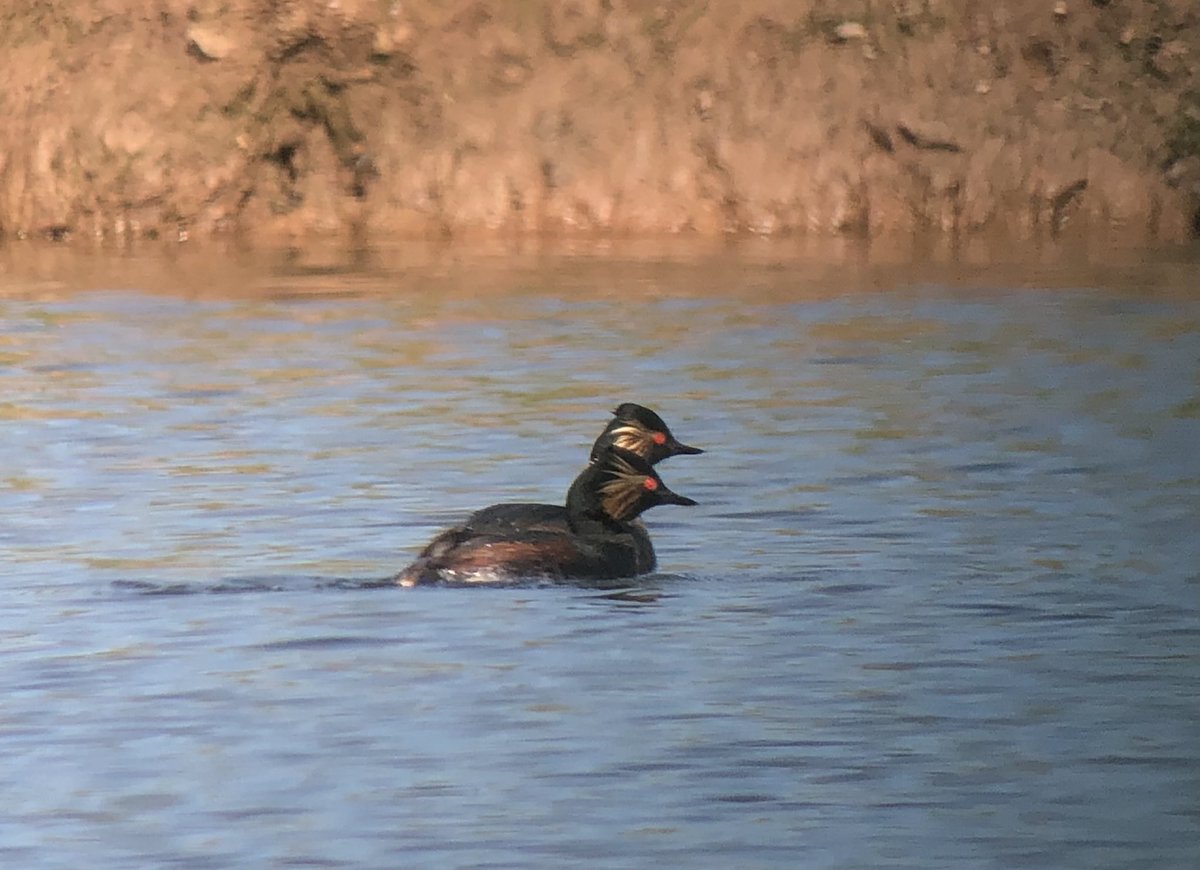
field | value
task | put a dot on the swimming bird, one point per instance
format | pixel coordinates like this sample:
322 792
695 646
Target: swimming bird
599 540
634 428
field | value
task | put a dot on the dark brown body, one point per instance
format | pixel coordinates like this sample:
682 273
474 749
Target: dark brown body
501 520
534 555
596 536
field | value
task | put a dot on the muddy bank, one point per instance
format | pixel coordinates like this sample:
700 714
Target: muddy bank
267 117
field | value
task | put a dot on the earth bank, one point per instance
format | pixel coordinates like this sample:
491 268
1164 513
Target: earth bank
259 117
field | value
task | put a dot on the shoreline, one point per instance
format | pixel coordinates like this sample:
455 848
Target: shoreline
269 120
484 268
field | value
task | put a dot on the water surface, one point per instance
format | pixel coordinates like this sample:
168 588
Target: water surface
939 606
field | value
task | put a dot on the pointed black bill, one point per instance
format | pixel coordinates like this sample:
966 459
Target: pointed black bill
680 449
665 496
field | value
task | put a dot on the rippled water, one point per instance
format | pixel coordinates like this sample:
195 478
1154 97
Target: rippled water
939 606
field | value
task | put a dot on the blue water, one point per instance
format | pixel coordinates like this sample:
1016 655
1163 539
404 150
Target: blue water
939 606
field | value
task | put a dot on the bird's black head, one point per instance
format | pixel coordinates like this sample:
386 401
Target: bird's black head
618 486
639 430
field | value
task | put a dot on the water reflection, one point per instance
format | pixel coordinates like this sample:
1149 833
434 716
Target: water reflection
937 607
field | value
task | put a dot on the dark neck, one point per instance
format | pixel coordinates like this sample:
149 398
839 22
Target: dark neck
584 512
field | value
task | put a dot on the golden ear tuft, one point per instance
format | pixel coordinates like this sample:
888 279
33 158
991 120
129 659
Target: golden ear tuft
631 438
620 494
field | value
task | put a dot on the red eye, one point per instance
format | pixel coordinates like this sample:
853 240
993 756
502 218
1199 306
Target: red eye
650 483
660 438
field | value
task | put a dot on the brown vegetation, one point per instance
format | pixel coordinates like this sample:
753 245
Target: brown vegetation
1028 117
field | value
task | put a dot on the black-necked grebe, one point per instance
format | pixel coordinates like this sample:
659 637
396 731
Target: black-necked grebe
639 430
634 428
598 542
